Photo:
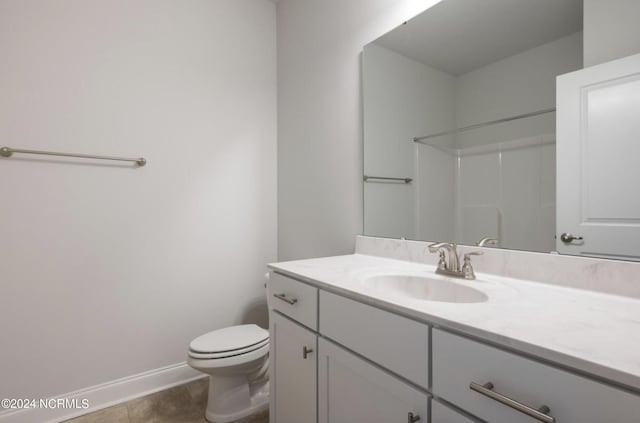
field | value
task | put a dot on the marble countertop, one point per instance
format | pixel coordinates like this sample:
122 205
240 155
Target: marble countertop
591 332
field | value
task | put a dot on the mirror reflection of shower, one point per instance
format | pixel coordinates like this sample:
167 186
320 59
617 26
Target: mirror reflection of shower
463 105
501 185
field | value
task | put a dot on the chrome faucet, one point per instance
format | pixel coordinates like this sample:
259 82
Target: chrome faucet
449 264
453 262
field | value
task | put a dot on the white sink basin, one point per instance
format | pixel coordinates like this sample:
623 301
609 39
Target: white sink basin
423 288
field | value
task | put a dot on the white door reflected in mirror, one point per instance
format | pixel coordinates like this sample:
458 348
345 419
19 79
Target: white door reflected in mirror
598 148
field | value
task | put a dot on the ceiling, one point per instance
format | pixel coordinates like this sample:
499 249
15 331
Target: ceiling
457 36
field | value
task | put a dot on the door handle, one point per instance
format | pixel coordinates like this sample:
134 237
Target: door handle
413 418
568 238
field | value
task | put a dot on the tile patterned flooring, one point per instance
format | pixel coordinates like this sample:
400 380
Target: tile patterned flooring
181 404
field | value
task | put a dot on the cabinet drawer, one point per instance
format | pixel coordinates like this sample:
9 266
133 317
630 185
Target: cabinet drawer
396 343
457 362
292 298
440 413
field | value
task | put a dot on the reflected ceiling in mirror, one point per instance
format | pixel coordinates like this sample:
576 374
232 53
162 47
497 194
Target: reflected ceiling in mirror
459 112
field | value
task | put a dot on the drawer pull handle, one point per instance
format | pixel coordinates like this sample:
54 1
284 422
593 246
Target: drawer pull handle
284 298
541 414
413 418
306 351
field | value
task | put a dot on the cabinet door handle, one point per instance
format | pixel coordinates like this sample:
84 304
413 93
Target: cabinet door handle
306 351
413 418
541 414
284 298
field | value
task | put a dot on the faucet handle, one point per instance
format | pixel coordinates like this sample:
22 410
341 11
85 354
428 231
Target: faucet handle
442 263
467 256
467 268
433 248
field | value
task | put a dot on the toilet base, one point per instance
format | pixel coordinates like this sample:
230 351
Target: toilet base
231 399
219 418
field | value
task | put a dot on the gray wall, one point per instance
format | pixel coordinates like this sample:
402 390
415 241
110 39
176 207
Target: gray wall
611 30
320 118
111 271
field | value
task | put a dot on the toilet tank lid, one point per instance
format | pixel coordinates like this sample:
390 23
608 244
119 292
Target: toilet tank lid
229 339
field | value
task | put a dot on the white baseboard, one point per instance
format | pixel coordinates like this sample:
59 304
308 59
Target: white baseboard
107 394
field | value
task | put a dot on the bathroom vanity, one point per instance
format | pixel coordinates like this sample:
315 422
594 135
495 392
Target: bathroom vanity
363 338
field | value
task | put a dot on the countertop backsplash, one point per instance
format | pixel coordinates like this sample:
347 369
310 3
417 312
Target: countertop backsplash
601 275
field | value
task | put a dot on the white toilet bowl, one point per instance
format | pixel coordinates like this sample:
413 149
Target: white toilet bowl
237 362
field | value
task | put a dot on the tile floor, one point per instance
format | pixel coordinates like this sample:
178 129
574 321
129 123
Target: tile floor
181 404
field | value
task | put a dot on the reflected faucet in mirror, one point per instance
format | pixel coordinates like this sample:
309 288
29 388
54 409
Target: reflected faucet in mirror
449 262
488 241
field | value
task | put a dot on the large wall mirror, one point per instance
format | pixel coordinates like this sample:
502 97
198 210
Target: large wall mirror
460 123
483 127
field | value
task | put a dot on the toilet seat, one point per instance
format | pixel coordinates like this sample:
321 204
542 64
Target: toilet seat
226 354
229 361
229 342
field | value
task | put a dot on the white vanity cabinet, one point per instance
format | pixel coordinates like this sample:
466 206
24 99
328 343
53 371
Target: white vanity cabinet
311 372
352 390
519 382
394 342
294 299
293 320
338 360
293 361
441 413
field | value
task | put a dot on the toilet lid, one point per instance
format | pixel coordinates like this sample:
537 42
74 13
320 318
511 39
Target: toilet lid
263 346
229 339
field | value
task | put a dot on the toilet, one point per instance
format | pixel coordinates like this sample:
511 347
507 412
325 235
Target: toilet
236 359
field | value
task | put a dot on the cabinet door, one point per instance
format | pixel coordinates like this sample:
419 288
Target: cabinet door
293 372
353 391
597 159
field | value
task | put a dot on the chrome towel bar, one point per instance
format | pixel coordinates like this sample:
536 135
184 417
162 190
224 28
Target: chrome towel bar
384 178
8 152
482 125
